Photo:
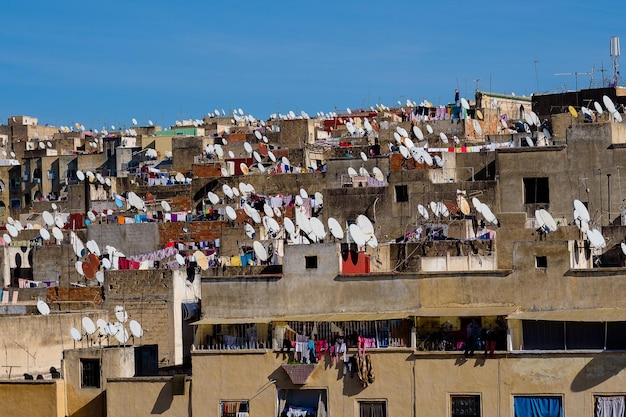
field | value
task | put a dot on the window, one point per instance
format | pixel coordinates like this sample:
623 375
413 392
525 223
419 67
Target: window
465 405
536 190
372 409
90 372
234 409
402 193
541 262
310 262
302 402
609 406
570 335
539 406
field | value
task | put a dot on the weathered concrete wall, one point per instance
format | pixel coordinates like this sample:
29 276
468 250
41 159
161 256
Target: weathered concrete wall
137 397
33 398
130 239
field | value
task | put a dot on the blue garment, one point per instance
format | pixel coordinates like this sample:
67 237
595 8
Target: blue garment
538 406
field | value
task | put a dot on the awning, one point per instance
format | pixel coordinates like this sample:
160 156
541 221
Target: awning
590 315
322 317
464 311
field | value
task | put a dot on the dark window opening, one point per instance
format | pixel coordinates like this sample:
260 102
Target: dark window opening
90 372
541 262
233 408
465 405
372 409
310 262
402 193
536 191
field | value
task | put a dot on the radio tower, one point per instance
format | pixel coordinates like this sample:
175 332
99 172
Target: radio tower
615 58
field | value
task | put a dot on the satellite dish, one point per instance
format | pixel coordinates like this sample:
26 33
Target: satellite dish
378 174
303 222
258 135
318 228
76 334
257 157
418 133
443 137
352 172
88 325
43 308
272 156
429 129
6 238
303 193
335 228
479 114
365 225
247 147
405 152
363 156
166 206
224 172
120 314
121 334
201 260
54 206
408 143
272 224
357 235
372 242
93 247
478 206
608 103
363 172
244 168
106 263
573 111
434 207
227 191
57 233
422 211
230 212
12 230
397 136
48 218
598 107
135 328
58 221
477 128
581 210
545 220
299 201
80 175
529 141
618 117
249 230
596 239
267 209
465 104
213 198
488 215
623 246
100 275
463 205
45 235
259 250
289 226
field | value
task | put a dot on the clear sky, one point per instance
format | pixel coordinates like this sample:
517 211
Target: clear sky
105 62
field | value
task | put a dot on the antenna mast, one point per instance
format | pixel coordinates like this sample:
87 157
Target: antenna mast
615 58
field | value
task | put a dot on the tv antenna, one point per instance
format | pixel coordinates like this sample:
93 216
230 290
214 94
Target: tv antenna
576 74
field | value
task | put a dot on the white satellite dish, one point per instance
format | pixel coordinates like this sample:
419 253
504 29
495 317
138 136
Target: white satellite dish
477 128
45 235
363 172
43 307
378 174
372 242
228 191
88 325
106 263
272 156
247 147
58 221
271 224
488 215
318 228
465 104
397 137
12 230
213 198
363 156
429 129
57 233
443 137
581 210
93 247
357 235
303 222
135 328
596 239
79 268
259 250
598 107
405 152
303 193
76 334
352 172
120 314
545 220
289 226
618 117
335 228
418 133
623 246
408 143
267 209
608 103
230 212
166 206
249 230
80 175
134 121
6 238
257 157
100 275
121 334
365 225
434 207
422 211
48 218
478 206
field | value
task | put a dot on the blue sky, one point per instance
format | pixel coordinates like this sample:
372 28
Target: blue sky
106 62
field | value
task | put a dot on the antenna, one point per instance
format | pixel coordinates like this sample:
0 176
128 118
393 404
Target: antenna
615 57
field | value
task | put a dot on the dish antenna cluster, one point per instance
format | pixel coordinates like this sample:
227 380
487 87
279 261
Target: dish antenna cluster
105 330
